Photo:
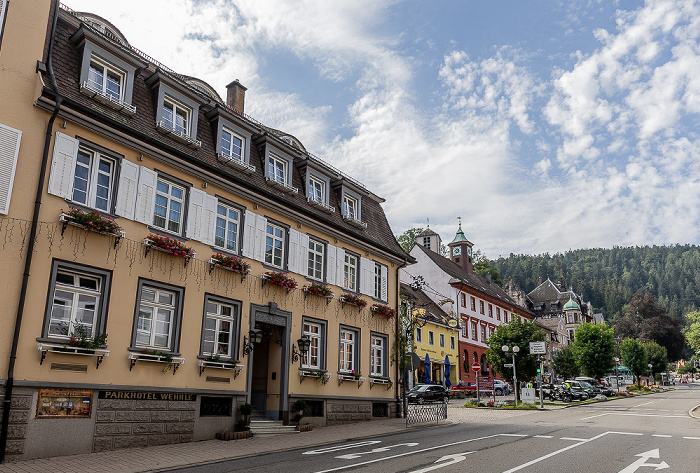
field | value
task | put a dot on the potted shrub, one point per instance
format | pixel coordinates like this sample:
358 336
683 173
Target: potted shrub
245 410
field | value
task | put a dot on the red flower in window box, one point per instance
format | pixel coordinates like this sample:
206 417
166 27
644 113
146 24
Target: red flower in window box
234 263
383 310
280 279
354 300
169 245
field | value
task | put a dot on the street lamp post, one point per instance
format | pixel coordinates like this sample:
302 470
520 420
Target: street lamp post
651 375
617 378
506 349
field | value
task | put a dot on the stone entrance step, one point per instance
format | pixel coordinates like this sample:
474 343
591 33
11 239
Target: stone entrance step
268 428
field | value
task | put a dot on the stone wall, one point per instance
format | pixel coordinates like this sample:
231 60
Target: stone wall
19 417
137 423
344 412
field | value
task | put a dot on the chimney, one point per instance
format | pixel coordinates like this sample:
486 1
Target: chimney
488 278
540 279
235 96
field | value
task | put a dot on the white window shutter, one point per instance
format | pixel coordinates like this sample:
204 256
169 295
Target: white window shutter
208 231
293 253
330 264
249 234
339 266
260 233
384 283
65 153
9 150
364 276
195 211
146 197
304 254
128 185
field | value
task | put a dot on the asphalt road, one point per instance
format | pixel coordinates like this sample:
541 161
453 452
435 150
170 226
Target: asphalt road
645 433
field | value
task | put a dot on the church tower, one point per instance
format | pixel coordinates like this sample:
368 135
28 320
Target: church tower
461 250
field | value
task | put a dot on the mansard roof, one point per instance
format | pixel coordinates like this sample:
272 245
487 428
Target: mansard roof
141 127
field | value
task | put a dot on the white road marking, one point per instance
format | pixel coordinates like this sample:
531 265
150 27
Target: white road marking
341 447
643 404
653 415
353 456
660 435
455 458
399 455
573 438
513 435
642 461
599 415
542 436
692 438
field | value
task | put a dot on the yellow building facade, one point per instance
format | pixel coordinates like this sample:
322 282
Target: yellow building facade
179 259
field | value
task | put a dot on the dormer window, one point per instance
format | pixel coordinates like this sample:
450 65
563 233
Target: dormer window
106 79
232 145
176 116
277 170
317 190
350 207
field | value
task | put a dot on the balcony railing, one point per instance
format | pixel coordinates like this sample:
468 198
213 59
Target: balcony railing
96 93
180 136
236 162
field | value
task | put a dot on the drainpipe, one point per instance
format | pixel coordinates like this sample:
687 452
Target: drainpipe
397 334
7 402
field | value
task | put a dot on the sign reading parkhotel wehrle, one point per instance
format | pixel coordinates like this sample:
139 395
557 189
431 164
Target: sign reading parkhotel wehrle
146 396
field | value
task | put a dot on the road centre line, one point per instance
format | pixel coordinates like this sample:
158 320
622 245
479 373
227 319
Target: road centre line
354 465
692 438
542 436
598 415
573 438
643 404
661 435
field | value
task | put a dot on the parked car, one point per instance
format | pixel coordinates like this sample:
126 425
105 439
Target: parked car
463 388
593 386
563 393
578 386
501 388
422 393
547 389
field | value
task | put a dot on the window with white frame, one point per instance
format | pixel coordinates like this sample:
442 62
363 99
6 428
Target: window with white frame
481 307
316 259
350 207
350 272
313 358
159 312
317 190
490 310
277 169
218 334
232 145
274 245
168 209
77 303
474 328
377 281
490 331
93 180
419 335
176 116
431 337
106 79
378 355
465 329
227 225
483 333
348 350
505 316
473 304
442 340
498 313
452 342
426 242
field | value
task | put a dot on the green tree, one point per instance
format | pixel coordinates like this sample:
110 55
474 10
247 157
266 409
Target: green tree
692 330
408 238
520 334
594 349
483 266
564 363
634 357
657 356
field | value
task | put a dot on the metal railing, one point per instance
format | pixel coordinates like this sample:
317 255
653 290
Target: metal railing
420 413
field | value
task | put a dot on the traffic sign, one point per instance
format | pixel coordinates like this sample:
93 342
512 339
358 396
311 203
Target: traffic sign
476 367
508 365
538 348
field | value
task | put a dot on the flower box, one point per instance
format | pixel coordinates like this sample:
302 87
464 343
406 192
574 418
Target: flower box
222 364
350 376
168 245
275 278
169 360
318 290
352 299
91 221
322 375
230 263
45 348
383 310
380 380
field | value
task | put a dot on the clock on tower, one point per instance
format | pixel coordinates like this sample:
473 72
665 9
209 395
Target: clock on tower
456 251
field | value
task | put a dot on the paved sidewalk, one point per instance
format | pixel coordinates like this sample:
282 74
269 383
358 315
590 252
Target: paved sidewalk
165 457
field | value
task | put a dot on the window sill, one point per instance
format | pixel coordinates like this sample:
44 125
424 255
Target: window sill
104 99
178 136
222 365
380 380
236 163
166 233
345 376
45 348
321 205
355 222
282 186
322 376
168 360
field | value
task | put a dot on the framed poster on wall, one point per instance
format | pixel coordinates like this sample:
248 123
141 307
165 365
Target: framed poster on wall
63 404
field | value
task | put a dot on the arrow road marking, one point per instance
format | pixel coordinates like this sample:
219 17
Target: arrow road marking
442 462
352 456
341 447
642 461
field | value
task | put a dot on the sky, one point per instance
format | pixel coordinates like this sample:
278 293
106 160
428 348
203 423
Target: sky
545 125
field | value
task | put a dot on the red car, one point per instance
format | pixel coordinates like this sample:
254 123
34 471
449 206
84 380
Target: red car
464 388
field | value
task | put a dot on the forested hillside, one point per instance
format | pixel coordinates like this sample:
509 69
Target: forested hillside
610 277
